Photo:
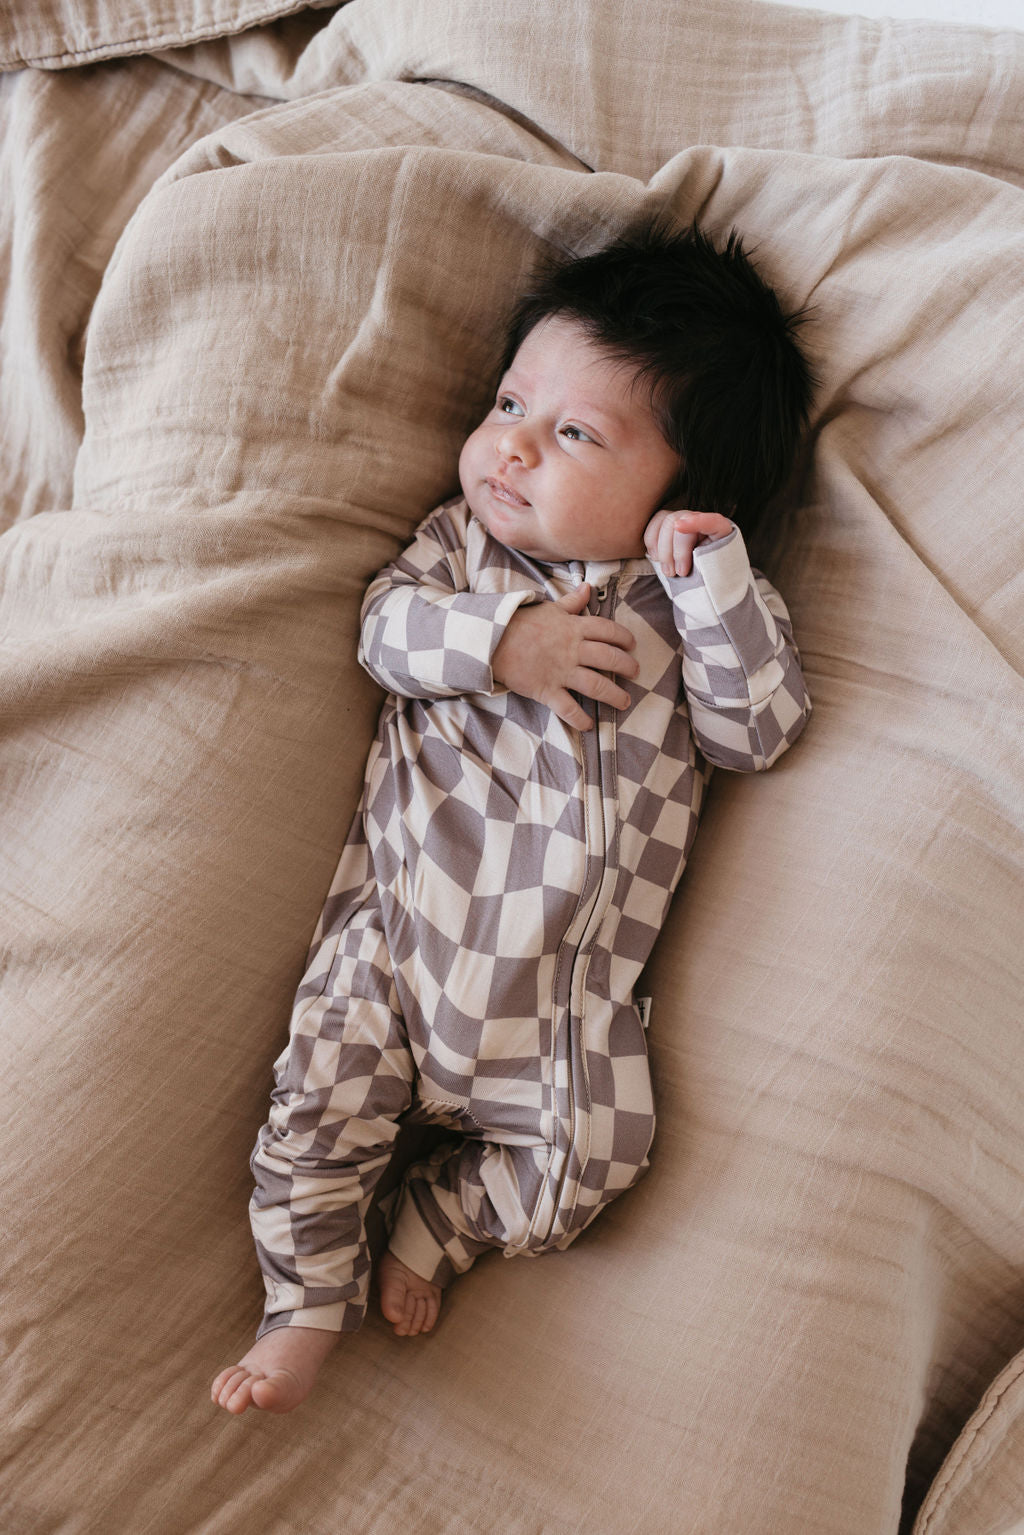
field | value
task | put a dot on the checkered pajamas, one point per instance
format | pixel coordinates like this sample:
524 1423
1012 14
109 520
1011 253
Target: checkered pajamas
501 889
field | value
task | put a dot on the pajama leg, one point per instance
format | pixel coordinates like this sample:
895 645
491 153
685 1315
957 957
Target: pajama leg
527 1197
464 1199
341 1084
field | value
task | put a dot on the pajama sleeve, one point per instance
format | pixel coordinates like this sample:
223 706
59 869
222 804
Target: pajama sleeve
424 634
741 670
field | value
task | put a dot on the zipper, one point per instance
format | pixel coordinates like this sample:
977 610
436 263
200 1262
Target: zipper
592 912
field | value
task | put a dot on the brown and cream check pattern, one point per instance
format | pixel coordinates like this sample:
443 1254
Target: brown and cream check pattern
501 889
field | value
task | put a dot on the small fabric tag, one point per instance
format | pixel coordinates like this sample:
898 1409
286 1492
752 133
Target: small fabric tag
643 1007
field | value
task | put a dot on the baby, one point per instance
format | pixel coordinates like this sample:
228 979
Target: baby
565 658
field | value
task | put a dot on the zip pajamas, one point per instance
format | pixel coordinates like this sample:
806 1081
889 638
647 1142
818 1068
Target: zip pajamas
500 891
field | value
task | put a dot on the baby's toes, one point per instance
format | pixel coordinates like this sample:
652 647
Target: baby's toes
413 1316
423 1321
219 1382
225 1382
428 1308
235 1393
393 1304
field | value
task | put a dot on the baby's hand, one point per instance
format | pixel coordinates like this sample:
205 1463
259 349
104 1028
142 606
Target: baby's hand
671 537
550 647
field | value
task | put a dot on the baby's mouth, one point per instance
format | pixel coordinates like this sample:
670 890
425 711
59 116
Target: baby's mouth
505 493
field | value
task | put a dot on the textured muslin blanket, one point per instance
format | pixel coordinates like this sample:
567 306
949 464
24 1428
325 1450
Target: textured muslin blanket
253 293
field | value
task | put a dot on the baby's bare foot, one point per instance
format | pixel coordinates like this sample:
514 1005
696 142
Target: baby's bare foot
277 1373
411 1303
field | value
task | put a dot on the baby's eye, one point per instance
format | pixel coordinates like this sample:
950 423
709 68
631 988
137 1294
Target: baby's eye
508 406
576 434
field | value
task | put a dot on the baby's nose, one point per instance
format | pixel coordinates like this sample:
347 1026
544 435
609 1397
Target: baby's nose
515 442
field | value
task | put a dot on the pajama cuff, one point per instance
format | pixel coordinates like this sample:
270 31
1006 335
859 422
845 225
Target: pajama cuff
343 1316
414 1244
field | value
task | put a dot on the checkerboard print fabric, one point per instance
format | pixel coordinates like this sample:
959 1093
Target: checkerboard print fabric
501 889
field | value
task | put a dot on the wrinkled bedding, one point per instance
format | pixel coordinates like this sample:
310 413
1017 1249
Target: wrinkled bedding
253 286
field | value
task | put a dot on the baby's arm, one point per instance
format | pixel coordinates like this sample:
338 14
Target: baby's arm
424 634
741 669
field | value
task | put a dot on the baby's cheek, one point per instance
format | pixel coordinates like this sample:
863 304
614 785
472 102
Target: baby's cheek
467 459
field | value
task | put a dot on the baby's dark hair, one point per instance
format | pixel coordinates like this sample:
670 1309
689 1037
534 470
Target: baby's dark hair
729 385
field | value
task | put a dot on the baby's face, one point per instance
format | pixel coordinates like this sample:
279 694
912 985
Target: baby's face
569 464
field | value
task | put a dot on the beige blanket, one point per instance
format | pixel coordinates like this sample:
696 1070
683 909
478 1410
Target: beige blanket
252 294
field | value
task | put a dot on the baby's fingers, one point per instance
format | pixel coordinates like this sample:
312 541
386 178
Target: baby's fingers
607 632
663 551
575 601
599 657
709 525
569 709
683 545
592 685
600 688
673 546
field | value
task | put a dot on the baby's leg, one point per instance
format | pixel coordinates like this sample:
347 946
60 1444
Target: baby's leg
342 1082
